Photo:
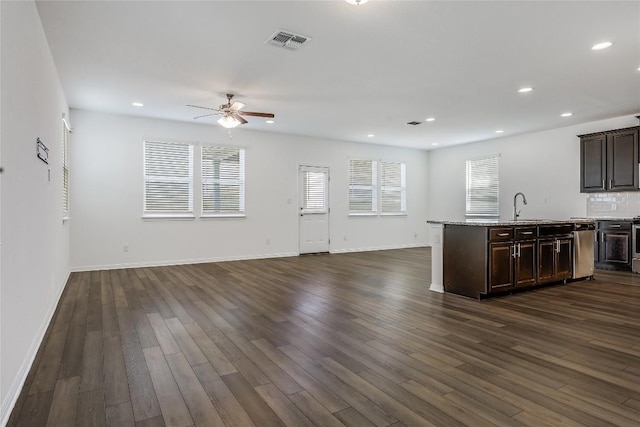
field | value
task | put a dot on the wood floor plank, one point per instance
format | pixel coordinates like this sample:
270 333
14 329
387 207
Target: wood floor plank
283 407
354 339
200 406
214 355
116 385
163 334
230 410
174 409
187 345
324 395
65 403
314 410
120 415
254 405
91 408
92 362
143 397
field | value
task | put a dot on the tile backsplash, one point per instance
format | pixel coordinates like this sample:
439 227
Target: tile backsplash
619 205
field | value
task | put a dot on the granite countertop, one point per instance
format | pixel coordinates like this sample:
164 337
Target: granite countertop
604 218
500 222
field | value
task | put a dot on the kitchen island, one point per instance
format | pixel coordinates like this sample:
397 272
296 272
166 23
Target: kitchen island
481 259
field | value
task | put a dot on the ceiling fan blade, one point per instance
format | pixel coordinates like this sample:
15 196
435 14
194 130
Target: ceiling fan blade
205 115
237 106
238 118
205 108
253 113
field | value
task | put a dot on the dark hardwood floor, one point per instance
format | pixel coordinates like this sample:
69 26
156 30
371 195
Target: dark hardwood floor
329 340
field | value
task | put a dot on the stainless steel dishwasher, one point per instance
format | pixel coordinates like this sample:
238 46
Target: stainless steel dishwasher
583 255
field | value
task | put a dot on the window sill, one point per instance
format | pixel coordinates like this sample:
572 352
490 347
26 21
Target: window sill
222 216
364 214
179 217
393 214
66 219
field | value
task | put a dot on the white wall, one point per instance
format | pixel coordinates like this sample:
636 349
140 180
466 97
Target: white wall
107 191
545 166
35 242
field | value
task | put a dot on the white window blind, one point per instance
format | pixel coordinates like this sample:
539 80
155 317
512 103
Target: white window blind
222 181
314 190
363 178
393 188
168 179
482 187
66 139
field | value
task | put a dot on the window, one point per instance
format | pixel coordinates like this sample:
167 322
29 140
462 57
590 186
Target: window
222 181
168 179
482 187
393 188
314 189
66 139
363 178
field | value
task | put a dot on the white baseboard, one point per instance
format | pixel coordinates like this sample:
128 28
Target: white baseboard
179 262
377 248
21 376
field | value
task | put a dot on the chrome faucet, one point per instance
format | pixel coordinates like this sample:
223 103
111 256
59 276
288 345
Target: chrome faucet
516 212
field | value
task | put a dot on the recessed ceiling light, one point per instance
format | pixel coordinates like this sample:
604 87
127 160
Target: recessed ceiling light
137 104
638 68
356 2
499 131
566 114
600 46
525 89
430 119
270 121
370 135
434 143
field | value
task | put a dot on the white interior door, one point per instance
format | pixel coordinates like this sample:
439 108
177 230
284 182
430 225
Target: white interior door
314 209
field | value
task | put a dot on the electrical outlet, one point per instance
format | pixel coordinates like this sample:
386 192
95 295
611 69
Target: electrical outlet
344 238
415 235
125 248
268 241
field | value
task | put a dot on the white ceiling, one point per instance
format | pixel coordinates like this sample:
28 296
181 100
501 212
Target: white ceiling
368 69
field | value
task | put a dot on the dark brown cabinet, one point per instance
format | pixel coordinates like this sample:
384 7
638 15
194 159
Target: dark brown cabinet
609 161
512 264
613 245
485 260
556 259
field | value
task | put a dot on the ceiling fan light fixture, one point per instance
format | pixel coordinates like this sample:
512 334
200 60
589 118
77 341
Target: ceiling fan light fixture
356 2
228 122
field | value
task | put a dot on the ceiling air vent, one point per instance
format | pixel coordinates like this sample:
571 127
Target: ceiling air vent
287 40
413 123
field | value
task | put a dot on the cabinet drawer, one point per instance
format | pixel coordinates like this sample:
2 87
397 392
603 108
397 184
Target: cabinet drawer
555 230
614 225
500 234
525 233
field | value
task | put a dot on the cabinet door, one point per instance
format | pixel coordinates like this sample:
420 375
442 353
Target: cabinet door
564 259
500 266
593 165
547 260
525 264
622 160
615 247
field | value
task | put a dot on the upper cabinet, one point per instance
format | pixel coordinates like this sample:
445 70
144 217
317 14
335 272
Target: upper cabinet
609 161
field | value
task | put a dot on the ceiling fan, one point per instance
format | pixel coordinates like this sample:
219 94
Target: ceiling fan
231 114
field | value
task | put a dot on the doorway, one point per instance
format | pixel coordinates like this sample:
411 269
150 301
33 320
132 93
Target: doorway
314 209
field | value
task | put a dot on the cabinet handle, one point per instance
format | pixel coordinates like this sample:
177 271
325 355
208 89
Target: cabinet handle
503 234
527 232
513 251
615 226
610 186
518 250
558 246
